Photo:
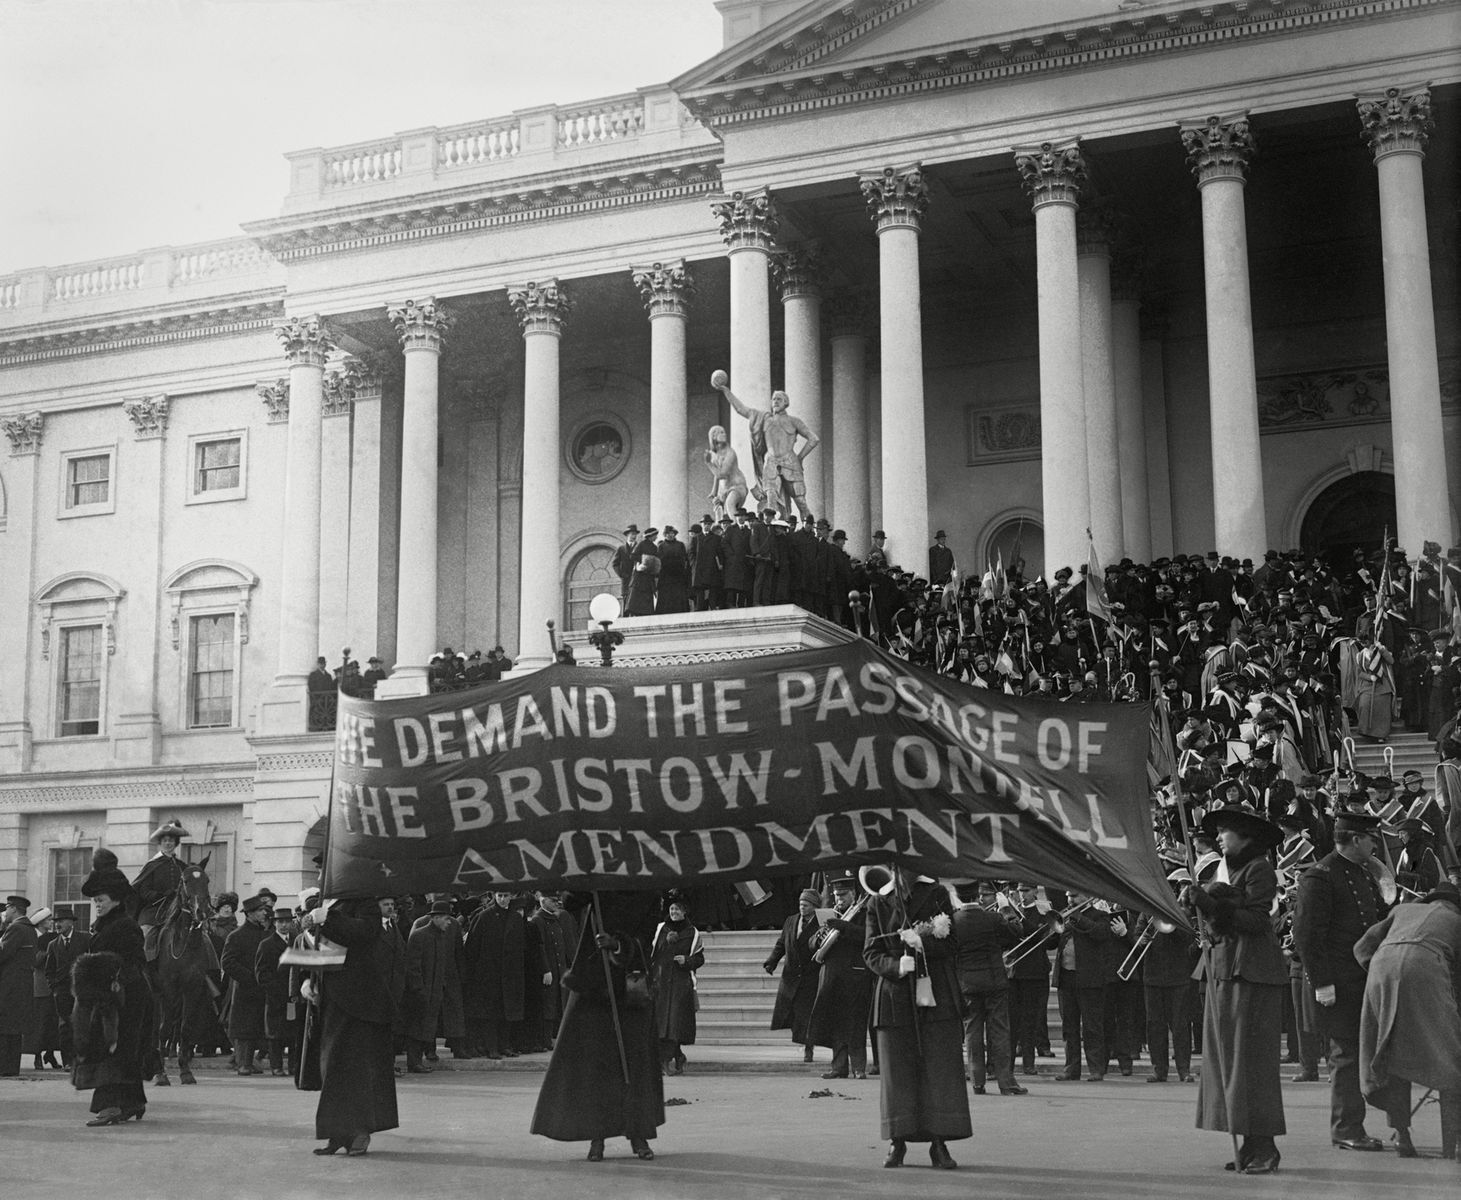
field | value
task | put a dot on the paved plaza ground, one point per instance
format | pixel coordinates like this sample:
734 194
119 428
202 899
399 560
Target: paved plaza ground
740 1134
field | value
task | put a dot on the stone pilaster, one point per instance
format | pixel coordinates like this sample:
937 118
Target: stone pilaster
275 395
24 432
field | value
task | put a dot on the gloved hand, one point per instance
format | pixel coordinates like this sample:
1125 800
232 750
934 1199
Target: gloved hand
1326 996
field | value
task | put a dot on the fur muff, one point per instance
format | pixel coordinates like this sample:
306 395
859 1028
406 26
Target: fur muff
97 989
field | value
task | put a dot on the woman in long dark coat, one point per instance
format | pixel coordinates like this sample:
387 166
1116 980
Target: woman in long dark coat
115 1072
920 1048
1240 1092
797 991
358 1006
585 1095
674 958
1410 1028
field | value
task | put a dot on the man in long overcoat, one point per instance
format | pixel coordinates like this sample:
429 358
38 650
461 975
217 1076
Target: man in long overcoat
66 947
707 568
738 565
673 592
246 1003
433 989
495 980
553 934
798 987
273 981
18 943
1338 900
839 1017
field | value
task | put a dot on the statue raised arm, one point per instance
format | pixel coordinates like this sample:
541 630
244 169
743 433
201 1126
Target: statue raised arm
774 450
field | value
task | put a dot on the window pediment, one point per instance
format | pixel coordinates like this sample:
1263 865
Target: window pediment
212 583
76 596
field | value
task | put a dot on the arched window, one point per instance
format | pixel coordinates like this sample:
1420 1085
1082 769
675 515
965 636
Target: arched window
588 574
1009 537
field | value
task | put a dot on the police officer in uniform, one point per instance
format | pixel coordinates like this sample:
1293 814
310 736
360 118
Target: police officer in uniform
1339 898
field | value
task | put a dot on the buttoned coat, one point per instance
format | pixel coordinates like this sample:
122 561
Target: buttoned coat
17 964
798 973
246 1010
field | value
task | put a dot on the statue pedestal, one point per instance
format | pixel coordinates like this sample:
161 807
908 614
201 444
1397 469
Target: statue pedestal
711 636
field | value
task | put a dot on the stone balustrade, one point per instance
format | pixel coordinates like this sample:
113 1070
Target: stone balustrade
409 161
148 278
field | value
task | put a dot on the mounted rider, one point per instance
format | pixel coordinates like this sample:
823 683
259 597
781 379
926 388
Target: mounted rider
159 881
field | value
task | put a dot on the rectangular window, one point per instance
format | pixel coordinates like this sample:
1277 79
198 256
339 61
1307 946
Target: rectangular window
217 466
217 868
88 480
81 652
69 869
210 673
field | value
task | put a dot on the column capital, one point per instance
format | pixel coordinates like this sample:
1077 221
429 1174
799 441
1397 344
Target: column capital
896 197
275 395
1095 230
148 416
24 432
306 340
1052 172
542 306
1219 146
667 288
421 324
798 270
1397 120
350 380
748 220
844 313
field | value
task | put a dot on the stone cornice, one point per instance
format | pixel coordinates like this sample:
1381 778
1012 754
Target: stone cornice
141 331
443 213
783 76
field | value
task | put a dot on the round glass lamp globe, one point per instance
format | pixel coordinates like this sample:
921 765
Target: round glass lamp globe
604 607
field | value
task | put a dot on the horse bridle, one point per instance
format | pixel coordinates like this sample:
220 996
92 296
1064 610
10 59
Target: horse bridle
187 901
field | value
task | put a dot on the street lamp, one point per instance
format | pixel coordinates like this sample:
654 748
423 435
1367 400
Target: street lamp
604 609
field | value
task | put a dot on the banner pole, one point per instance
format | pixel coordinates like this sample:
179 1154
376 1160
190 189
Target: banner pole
609 980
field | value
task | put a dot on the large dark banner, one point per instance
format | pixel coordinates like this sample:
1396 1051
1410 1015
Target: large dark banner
640 777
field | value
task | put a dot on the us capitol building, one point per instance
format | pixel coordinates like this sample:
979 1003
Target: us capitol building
1181 273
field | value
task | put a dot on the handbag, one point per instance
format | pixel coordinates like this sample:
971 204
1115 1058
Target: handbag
636 990
923 993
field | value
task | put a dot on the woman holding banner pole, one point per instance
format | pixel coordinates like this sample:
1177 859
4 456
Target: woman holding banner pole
604 1079
918 1018
1240 1092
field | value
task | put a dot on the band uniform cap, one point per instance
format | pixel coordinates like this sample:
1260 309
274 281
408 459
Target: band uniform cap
1243 821
812 897
254 904
1355 822
171 828
439 908
845 883
17 902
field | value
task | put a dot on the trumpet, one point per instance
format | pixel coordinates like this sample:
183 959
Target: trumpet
1144 943
1033 941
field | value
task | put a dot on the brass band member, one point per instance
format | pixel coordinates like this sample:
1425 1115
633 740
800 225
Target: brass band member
1239 1092
844 991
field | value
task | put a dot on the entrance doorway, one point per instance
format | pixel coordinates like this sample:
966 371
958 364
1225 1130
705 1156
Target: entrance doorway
1352 512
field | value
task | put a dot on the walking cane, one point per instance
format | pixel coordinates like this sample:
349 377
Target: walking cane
609 980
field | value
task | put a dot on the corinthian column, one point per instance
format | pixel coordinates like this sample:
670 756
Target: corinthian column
422 326
1053 174
798 272
306 343
1219 150
667 289
896 199
25 432
1094 231
849 490
748 226
1397 123
541 307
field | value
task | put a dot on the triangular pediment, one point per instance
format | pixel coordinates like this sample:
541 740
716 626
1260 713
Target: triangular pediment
835 35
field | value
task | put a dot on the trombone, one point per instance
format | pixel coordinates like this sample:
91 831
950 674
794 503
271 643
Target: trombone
1034 941
1144 943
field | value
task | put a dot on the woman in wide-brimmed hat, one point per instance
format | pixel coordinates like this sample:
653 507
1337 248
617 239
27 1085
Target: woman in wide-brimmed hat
1410 1027
114 1065
1240 1092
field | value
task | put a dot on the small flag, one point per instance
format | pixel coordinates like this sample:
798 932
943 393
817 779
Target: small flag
1096 604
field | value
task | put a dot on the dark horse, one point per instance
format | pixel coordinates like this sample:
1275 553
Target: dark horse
185 956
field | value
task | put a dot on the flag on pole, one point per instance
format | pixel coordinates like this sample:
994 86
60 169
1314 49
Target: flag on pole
1096 605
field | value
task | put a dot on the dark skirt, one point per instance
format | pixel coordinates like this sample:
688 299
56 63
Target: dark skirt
1240 1090
307 1061
125 1096
357 1077
923 1088
584 1096
45 1029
